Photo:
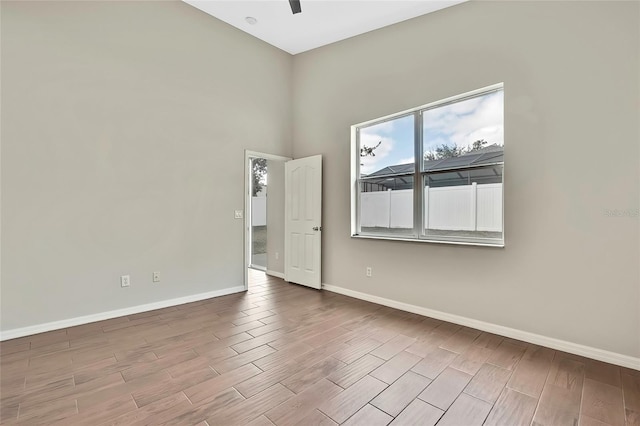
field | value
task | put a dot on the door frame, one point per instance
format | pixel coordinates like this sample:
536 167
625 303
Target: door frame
248 155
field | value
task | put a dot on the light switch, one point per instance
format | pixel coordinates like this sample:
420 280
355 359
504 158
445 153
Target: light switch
237 214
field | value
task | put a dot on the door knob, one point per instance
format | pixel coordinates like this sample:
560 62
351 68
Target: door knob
317 228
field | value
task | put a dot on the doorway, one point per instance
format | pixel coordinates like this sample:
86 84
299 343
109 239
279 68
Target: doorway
264 215
258 213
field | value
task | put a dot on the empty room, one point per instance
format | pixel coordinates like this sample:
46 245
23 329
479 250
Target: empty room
320 212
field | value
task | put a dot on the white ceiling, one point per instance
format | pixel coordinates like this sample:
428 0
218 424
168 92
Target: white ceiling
321 21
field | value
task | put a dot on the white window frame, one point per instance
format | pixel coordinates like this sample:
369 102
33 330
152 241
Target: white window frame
418 175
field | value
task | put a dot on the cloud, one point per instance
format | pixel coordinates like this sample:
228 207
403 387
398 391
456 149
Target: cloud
408 160
465 122
381 128
432 143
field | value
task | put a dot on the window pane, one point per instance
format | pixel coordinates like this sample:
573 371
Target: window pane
464 204
386 206
387 148
462 133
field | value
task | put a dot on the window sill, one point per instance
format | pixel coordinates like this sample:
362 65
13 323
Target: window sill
495 244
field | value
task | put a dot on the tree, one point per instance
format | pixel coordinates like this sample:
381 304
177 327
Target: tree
258 172
366 151
444 151
450 151
479 144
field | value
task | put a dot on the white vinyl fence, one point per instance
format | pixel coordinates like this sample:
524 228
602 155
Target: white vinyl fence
258 211
465 208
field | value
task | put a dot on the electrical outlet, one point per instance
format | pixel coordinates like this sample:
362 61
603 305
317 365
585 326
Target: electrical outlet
156 277
369 271
237 214
125 281
277 255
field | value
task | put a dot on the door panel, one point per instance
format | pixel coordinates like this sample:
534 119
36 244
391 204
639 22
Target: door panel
303 207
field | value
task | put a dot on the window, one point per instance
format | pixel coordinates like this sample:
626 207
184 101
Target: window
454 193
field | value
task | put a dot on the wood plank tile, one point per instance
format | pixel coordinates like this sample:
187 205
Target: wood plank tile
507 355
404 390
211 349
144 369
282 355
446 329
298 407
255 317
49 338
316 418
95 397
305 378
319 351
268 378
225 331
512 409
260 421
632 417
531 372
602 402
466 410
566 373
44 393
152 410
242 359
603 372
352 399
488 383
7 347
9 412
146 395
252 343
557 406
251 408
588 421
100 412
370 416
393 347
418 413
217 384
192 414
445 388
631 391
356 350
460 341
423 348
351 373
434 363
47 412
472 359
394 368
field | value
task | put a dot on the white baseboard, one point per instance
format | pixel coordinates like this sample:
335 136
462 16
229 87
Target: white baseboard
71 322
275 274
550 342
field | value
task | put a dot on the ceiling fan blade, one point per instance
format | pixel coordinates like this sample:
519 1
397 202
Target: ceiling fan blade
295 6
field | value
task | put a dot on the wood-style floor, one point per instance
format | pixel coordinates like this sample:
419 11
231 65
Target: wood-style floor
284 354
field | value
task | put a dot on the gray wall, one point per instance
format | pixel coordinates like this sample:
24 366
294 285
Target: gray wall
275 216
571 150
124 126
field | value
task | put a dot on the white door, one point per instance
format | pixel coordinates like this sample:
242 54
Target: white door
303 209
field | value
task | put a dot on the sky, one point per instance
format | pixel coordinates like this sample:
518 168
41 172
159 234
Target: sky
460 124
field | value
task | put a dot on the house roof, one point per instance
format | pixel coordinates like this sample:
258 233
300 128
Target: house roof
491 154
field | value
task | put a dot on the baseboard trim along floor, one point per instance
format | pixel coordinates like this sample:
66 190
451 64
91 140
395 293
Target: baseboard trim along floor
550 342
86 319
